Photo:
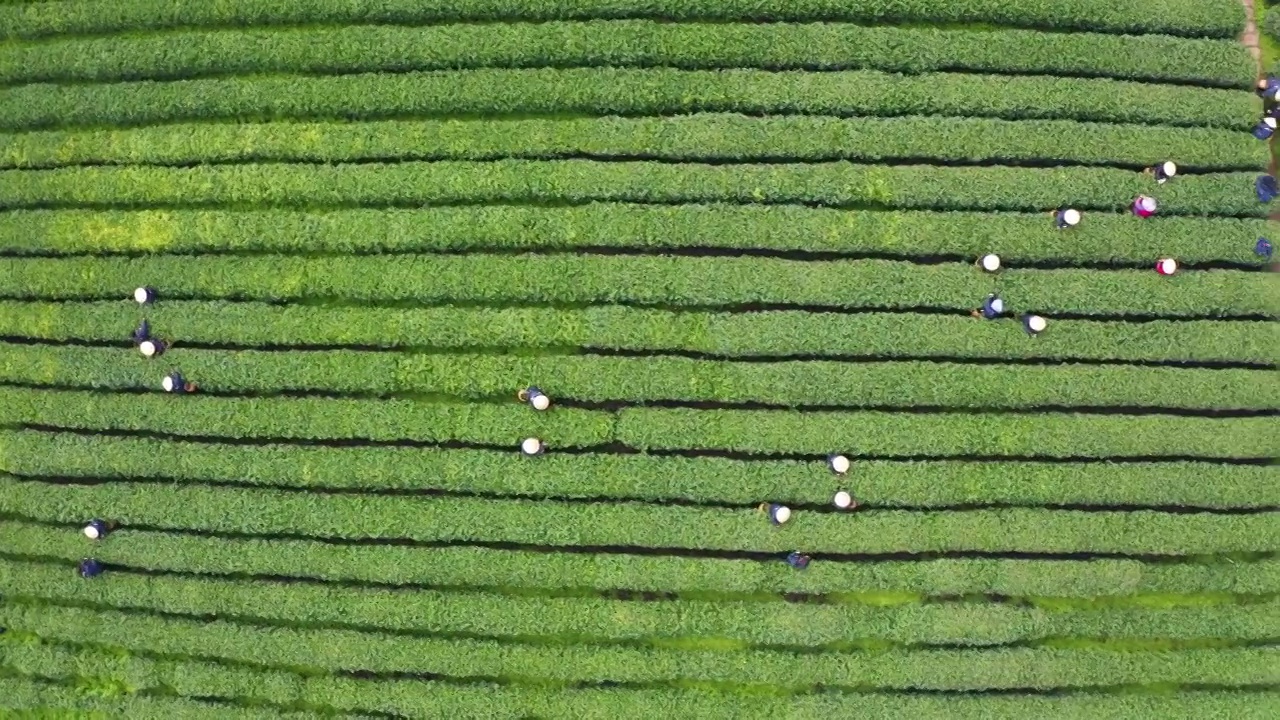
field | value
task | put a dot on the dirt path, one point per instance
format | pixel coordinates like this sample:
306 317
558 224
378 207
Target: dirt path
1250 35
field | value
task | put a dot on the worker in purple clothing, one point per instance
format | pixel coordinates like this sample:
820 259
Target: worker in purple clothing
991 307
96 529
90 568
798 561
1144 206
1265 128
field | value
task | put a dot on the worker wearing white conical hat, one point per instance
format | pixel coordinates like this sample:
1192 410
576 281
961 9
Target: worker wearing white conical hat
151 348
536 399
175 383
844 500
1265 128
779 514
532 446
1034 324
1165 171
989 262
991 308
839 464
1066 218
144 295
1144 206
96 529
1166 266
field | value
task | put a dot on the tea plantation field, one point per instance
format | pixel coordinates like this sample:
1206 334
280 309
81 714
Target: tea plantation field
728 239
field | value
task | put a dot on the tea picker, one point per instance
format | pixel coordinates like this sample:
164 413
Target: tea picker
142 332
1144 206
991 308
798 561
1066 218
1263 248
1265 128
1268 89
96 529
144 295
839 464
175 383
844 501
989 263
778 514
534 397
1165 171
90 568
1267 188
1166 266
1034 324
532 447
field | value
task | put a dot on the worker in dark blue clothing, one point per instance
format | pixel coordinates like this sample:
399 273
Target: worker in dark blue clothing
991 308
1034 324
1266 188
1066 218
96 529
779 514
1265 128
1268 89
1263 248
537 399
144 295
798 561
90 568
142 332
175 383
1165 171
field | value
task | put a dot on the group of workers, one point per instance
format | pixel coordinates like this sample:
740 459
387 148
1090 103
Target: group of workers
151 346
778 514
1269 91
992 308
1143 206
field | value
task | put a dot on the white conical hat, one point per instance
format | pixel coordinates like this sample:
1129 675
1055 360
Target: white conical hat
997 304
1169 168
540 402
91 531
147 348
531 446
843 499
1036 323
782 514
1147 203
991 263
1168 266
1270 122
1071 216
141 295
840 463
167 383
